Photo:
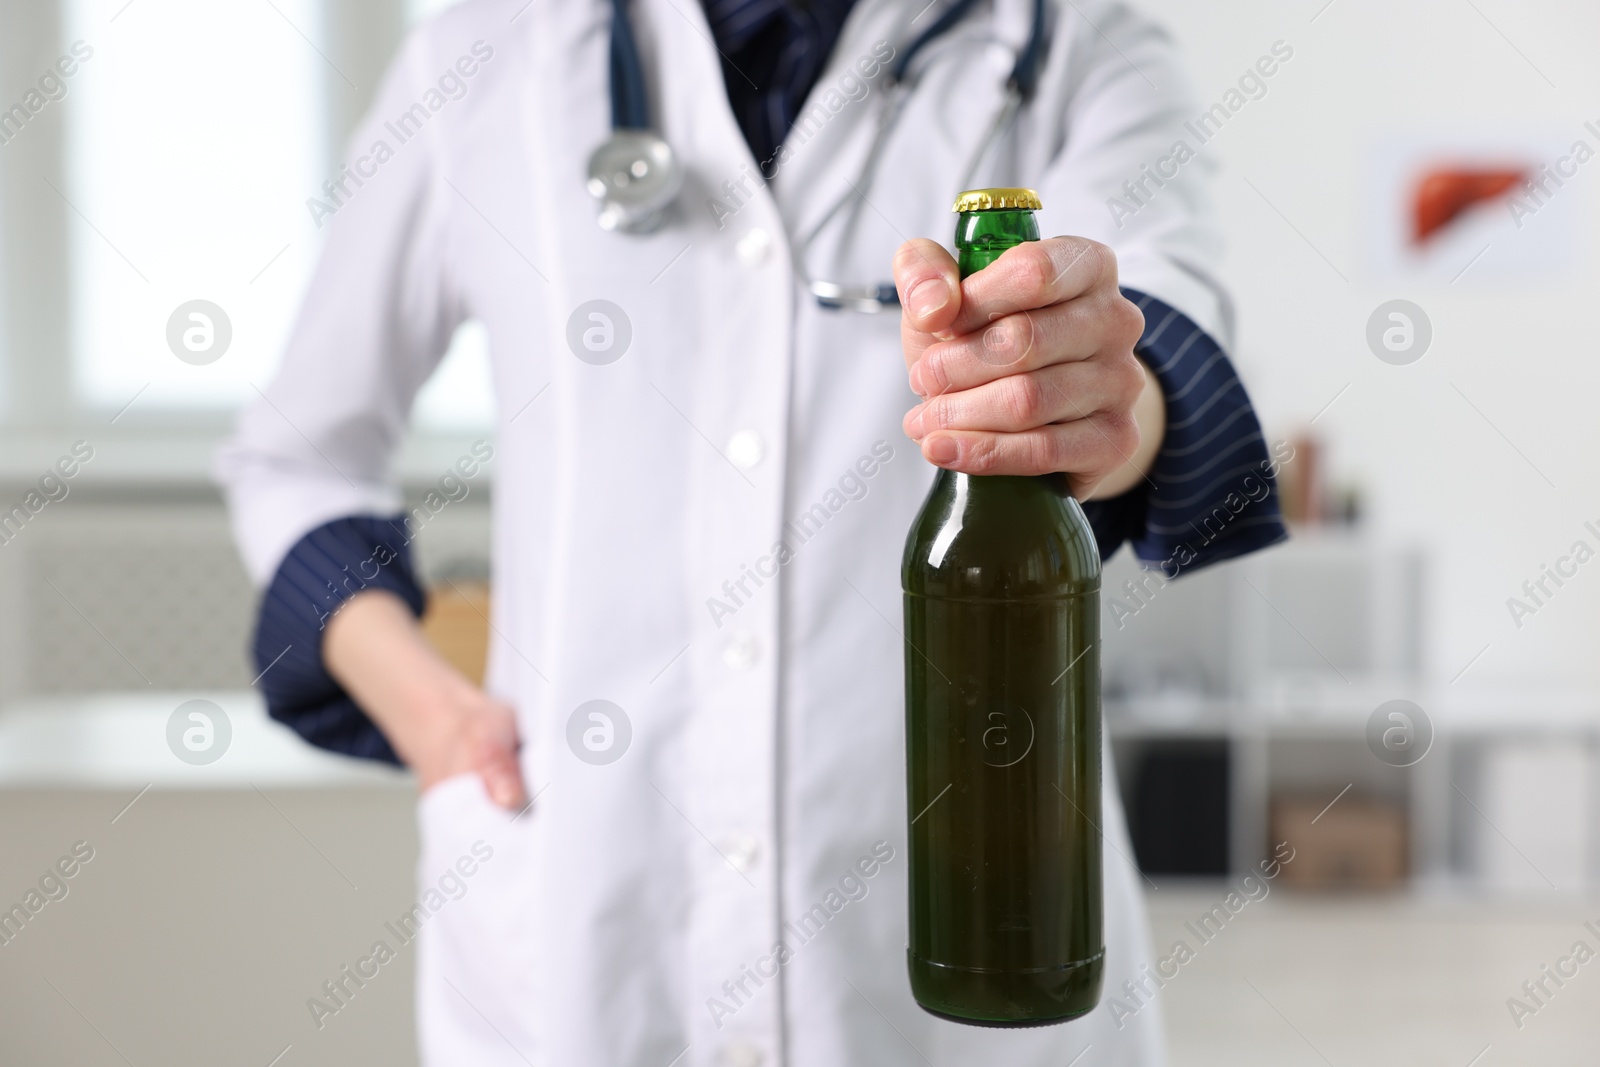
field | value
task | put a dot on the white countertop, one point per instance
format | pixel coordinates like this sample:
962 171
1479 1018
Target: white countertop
119 740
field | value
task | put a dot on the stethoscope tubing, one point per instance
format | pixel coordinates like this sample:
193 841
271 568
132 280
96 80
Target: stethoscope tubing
883 296
630 111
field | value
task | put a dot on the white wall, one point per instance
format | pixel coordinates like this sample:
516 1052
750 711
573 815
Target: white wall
1514 333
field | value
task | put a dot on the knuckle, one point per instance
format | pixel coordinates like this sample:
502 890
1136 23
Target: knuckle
983 453
1023 334
1047 453
1123 430
1129 319
1090 258
1129 382
997 345
935 374
1133 438
1025 399
1103 259
1035 268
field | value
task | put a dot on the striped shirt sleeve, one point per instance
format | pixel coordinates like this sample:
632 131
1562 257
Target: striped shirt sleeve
325 568
1211 493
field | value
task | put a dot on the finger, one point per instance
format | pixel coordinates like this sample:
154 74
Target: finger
502 780
1029 340
929 283
1034 274
1088 449
501 770
496 756
1062 393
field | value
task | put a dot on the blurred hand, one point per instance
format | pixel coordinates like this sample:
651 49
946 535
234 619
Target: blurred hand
439 723
468 731
1027 367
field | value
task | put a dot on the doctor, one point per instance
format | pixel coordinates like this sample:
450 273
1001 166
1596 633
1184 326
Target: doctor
705 462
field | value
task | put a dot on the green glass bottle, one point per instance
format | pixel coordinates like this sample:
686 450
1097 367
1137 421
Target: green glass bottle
1002 593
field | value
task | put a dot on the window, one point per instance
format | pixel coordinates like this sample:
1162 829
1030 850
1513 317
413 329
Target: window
460 395
191 137
421 9
194 137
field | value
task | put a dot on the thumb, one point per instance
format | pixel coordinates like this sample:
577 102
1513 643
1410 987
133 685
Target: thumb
498 765
929 283
502 780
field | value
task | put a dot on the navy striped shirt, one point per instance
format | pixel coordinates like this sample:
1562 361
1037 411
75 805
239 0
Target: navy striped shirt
325 568
772 51
1211 493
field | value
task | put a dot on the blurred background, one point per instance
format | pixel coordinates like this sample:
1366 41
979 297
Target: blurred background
1407 691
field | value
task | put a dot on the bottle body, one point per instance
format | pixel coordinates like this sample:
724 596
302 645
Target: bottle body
1001 577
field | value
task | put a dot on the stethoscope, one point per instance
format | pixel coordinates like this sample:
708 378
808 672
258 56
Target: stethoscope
635 176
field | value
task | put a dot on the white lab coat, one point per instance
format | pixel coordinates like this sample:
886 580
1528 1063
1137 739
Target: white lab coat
766 751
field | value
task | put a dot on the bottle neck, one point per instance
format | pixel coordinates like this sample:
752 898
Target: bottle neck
981 238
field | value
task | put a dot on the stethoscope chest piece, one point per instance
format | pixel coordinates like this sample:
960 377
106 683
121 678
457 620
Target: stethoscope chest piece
635 177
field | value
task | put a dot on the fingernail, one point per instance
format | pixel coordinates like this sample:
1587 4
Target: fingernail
941 450
927 296
916 380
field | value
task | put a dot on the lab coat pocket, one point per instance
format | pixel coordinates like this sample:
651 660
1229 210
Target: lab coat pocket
474 980
446 787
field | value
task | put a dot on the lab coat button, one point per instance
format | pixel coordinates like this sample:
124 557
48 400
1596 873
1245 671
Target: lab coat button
740 1055
741 652
745 449
741 853
753 247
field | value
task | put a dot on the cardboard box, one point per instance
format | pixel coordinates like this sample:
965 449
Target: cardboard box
1358 843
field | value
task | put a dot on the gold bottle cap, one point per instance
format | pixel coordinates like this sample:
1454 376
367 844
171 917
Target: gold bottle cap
998 200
